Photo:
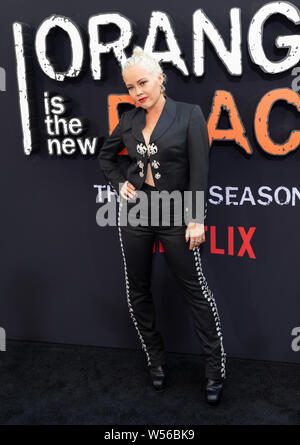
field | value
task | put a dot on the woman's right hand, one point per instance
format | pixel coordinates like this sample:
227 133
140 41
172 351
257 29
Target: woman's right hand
128 190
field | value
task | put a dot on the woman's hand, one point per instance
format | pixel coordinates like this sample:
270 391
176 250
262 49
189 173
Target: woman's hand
196 233
128 190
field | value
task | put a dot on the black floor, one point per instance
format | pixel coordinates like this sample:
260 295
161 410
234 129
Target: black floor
54 384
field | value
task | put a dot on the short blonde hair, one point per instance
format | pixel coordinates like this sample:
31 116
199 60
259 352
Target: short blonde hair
140 57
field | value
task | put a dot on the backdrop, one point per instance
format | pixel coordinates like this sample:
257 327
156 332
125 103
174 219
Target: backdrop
62 276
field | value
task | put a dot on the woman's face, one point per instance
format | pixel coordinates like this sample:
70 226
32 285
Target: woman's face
141 83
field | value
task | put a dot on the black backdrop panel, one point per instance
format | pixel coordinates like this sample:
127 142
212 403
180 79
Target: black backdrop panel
62 276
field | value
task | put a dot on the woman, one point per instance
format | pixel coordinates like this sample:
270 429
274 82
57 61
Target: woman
167 144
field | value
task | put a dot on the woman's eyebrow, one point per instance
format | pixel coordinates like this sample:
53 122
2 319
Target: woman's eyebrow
138 81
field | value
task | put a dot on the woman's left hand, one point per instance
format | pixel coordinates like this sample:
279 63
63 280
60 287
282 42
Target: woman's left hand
196 233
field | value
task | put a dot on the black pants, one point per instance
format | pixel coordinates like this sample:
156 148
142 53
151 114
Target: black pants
137 250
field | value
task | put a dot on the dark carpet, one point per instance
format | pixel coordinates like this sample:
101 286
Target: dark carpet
57 384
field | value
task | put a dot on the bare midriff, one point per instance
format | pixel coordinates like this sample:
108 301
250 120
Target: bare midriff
147 134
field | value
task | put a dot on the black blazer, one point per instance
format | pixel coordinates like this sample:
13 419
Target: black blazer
178 150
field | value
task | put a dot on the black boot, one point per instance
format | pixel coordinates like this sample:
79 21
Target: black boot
158 375
213 391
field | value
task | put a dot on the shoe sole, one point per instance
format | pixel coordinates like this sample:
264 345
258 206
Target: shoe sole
214 402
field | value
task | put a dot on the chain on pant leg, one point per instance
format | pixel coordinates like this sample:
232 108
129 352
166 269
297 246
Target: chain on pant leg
188 272
210 298
208 294
141 308
223 359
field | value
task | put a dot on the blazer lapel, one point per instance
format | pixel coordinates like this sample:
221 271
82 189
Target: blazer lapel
165 120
